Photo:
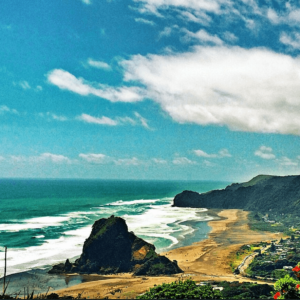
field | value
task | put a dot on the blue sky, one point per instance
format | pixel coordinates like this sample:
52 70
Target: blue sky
149 89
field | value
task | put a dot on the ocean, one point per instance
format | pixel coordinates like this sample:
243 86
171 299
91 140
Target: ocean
43 222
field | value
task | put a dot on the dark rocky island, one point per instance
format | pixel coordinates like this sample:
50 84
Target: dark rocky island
110 248
263 193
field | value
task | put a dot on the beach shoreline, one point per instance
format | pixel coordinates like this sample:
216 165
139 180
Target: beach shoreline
39 280
204 260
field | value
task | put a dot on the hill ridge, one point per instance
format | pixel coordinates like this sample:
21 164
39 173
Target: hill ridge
262 193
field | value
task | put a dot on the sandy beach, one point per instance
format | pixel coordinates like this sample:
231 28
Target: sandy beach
205 260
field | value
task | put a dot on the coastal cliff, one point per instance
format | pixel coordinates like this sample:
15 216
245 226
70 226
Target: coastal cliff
110 248
262 193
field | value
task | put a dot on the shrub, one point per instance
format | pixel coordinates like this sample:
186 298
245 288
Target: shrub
181 290
288 287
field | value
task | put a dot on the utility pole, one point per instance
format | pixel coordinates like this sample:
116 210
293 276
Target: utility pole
4 271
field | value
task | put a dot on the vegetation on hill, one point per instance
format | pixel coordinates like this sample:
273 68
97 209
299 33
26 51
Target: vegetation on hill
277 261
243 252
288 223
181 290
211 290
244 290
279 195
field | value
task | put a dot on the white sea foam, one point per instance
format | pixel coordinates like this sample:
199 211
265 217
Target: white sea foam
163 221
34 223
140 201
50 252
153 221
42 222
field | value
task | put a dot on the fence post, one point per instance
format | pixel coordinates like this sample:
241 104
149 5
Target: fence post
4 271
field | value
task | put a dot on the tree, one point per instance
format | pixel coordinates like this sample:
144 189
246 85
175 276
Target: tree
273 248
181 290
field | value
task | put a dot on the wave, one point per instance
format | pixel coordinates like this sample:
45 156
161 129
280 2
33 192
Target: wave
34 223
132 202
50 252
166 220
154 220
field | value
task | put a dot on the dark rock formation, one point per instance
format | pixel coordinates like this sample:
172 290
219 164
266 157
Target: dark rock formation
262 193
158 265
110 248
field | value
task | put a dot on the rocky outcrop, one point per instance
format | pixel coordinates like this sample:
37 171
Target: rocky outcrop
158 265
263 193
110 248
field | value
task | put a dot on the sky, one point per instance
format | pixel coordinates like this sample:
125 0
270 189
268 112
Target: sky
149 89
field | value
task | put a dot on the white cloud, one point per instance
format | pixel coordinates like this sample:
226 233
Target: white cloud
126 120
66 81
255 90
142 120
24 85
253 13
203 36
291 16
183 161
58 118
139 120
207 163
294 16
265 152
98 64
53 116
159 161
199 17
201 153
250 24
95 158
221 154
95 120
99 158
204 11
44 157
273 16
86 1
166 31
285 161
224 153
290 39
144 21
206 5
17 158
55 158
5 109
230 37
128 161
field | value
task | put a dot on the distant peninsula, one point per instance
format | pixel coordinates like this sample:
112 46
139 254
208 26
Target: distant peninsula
263 193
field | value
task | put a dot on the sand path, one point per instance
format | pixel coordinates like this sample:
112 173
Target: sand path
205 260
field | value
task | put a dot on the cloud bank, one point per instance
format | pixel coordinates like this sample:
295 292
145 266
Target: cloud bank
254 90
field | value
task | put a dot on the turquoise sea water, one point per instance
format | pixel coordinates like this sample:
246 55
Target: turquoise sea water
46 221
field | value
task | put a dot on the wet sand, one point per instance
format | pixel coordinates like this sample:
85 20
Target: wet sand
205 260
